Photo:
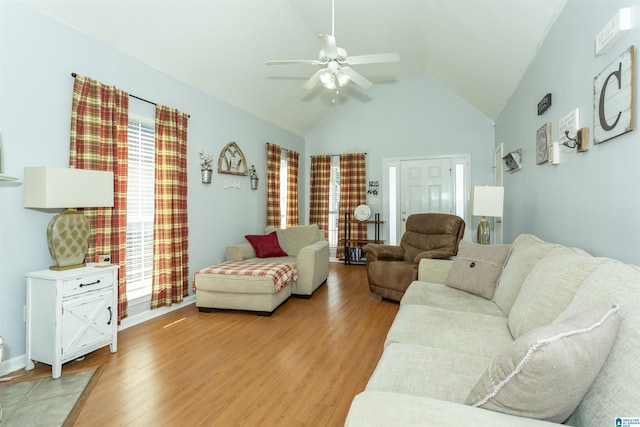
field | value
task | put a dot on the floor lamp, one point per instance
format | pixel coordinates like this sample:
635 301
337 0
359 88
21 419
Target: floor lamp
486 201
63 188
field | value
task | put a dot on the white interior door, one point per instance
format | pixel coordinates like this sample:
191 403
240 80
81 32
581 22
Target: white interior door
425 186
498 174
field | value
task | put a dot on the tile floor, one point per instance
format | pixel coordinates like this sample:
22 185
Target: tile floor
45 402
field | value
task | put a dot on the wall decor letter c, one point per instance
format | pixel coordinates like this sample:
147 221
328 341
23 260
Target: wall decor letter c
601 116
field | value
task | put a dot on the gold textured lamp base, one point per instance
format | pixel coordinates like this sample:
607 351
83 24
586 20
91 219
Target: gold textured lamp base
68 240
483 231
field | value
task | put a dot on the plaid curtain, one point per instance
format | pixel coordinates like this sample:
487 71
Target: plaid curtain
99 141
292 188
170 283
353 192
319 192
274 154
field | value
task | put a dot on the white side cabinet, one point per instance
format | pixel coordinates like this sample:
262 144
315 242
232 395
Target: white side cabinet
70 313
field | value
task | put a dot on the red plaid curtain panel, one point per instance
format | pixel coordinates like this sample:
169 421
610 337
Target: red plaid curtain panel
170 283
320 178
353 192
292 188
274 153
99 141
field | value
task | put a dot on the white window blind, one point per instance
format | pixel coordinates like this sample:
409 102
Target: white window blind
140 208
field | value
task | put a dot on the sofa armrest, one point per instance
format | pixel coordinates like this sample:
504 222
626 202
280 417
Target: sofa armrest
379 252
434 270
240 252
383 408
312 263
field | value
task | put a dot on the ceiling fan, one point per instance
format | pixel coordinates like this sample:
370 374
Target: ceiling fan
336 71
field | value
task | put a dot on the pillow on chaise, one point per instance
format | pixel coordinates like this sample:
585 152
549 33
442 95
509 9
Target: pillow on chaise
477 268
266 245
545 373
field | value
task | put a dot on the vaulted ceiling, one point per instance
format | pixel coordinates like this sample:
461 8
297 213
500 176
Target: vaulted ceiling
479 49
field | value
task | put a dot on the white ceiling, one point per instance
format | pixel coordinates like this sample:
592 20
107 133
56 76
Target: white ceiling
479 49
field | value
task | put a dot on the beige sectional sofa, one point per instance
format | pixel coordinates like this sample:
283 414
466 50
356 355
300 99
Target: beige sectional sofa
307 250
558 341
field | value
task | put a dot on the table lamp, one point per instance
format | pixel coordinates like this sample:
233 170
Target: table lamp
486 201
63 188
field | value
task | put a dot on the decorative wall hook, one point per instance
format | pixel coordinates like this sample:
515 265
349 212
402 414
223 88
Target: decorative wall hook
576 142
581 141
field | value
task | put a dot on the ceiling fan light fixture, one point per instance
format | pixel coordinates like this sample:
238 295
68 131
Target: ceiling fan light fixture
331 84
326 77
343 79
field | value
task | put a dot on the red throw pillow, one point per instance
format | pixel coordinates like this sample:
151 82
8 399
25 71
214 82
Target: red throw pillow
266 245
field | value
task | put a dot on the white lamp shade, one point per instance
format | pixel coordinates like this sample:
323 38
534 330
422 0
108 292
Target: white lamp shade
487 201
52 188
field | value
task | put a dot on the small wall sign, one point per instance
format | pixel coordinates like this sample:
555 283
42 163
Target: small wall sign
613 99
544 103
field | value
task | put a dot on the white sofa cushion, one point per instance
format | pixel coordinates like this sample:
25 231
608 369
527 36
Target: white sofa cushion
403 368
525 253
549 288
475 334
383 409
292 239
442 296
615 391
544 374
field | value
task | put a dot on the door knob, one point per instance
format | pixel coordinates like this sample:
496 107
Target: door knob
404 219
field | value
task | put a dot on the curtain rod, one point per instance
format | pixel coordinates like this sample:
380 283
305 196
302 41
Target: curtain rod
318 154
282 148
133 96
331 155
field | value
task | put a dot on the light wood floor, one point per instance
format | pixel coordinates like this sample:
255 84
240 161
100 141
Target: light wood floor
300 367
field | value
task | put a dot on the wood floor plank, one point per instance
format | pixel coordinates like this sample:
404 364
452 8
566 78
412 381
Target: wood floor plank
300 367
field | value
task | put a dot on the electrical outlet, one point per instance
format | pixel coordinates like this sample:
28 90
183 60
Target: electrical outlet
219 261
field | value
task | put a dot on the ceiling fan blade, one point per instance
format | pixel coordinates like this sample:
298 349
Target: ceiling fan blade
294 61
356 77
328 44
376 58
309 84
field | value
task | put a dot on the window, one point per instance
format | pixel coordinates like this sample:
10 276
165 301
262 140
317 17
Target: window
334 202
140 208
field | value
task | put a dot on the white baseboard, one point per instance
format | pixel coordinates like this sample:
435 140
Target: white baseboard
12 365
130 321
19 362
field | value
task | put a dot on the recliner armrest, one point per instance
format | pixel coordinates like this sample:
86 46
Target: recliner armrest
380 252
433 255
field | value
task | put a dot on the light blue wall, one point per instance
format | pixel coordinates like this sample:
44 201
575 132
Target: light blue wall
414 117
38 55
590 200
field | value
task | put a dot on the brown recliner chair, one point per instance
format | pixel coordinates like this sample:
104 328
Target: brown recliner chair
391 269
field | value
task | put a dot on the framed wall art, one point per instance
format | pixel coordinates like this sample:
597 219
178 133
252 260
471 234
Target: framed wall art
543 143
613 99
232 160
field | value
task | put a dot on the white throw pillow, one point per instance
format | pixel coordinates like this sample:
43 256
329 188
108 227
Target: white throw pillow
477 268
545 373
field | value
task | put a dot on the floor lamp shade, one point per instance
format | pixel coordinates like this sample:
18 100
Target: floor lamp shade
64 188
486 201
